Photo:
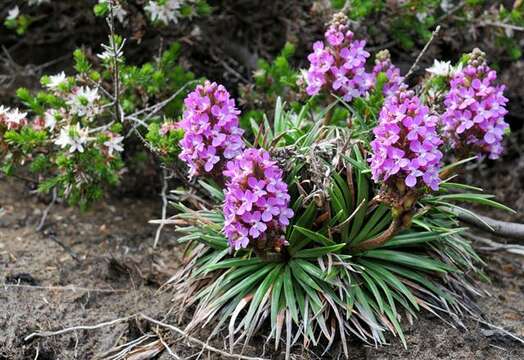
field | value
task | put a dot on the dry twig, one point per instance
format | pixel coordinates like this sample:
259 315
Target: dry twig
199 342
75 328
419 57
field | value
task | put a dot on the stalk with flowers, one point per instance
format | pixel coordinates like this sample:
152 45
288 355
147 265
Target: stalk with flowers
326 231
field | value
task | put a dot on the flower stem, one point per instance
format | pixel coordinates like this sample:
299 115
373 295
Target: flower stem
379 240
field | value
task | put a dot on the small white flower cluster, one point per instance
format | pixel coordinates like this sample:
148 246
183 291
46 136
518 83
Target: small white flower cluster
13 13
163 11
38 2
67 126
74 137
443 68
118 11
12 119
83 101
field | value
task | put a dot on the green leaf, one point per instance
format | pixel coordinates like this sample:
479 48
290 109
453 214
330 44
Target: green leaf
473 198
214 191
302 276
314 236
290 294
275 299
260 292
319 251
377 215
421 262
229 263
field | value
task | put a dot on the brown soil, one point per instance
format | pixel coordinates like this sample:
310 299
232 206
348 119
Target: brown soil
110 248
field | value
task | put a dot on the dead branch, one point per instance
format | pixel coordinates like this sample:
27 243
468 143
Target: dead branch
62 288
415 64
496 227
46 211
75 328
495 246
163 194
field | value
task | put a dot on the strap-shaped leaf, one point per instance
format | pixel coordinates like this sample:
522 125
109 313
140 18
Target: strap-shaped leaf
319 251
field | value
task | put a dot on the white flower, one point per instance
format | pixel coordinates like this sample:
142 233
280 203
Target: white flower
37 2
421 16
114 144
163 13
56 80
15 119
446 5
118 11
440 68
50 119
74 137
13 13
83 101
112 51
3 110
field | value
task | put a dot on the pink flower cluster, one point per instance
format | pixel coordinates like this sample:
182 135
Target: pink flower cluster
406 143
212 133
256 199
12 119
475 110
338 65
384 65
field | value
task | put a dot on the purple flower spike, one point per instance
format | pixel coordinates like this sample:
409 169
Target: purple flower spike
384 65
256 199
338 64
212 133
475 110
406 145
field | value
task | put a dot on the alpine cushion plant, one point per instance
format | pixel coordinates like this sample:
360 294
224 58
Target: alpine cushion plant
475 110
323 234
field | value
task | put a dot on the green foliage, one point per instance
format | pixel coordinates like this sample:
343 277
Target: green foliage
152 81
271 80
412 21
166 144
70 137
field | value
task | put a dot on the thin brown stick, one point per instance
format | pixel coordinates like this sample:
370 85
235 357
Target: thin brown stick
46 211
61 288
495 246
74 328
199 342
163 194
419 57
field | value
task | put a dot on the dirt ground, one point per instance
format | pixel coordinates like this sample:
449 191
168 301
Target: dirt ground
94 267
